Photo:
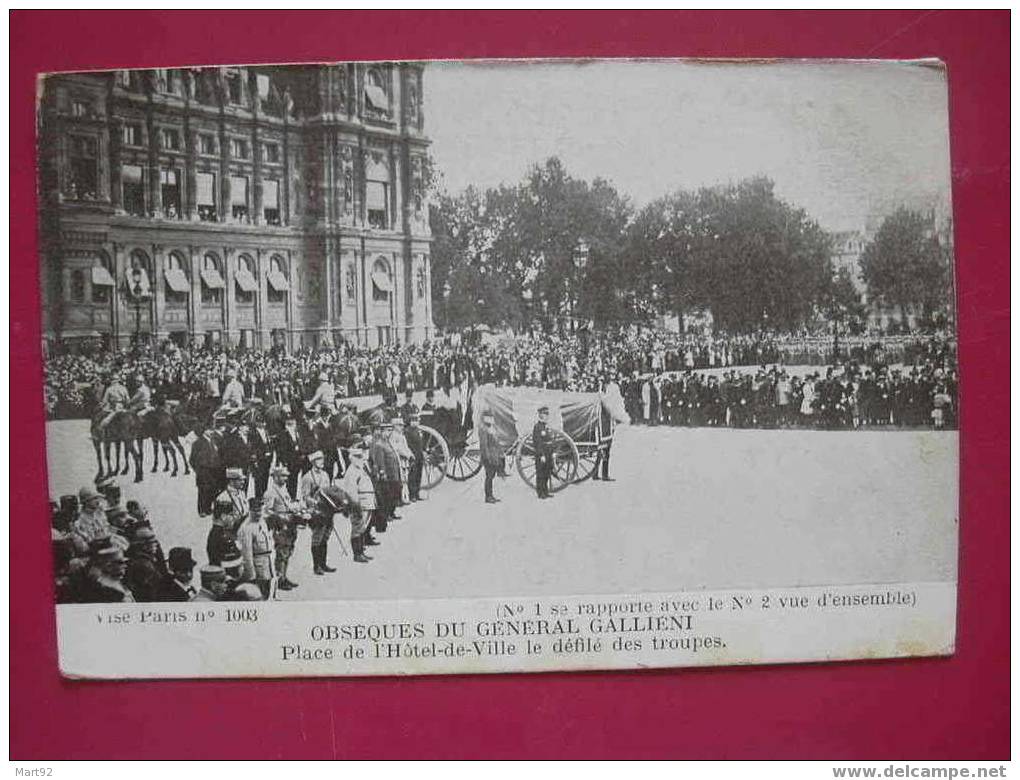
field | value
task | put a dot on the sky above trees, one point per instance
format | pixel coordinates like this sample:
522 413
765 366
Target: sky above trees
846 142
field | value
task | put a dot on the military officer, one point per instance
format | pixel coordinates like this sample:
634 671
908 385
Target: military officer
358 485
115 398
416 445
235 496
140 401
233 393
256 543
325 395
309 487
282 516
222 534
214 583
542 439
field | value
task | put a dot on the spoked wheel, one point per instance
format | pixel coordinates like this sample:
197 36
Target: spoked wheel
465 459
588 456
436 457
565 461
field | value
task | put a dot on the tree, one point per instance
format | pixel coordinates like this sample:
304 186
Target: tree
516 248
740 251
841 305
907 265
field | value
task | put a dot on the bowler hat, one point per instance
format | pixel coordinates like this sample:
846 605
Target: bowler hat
279 470
235 473
317 455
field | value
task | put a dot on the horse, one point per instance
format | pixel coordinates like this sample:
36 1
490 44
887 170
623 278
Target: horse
122 431
165 425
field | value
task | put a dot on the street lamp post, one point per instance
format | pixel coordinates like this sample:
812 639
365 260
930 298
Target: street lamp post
580 260
138 293
446 307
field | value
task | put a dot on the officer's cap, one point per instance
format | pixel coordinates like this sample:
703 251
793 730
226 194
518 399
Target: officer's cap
210 574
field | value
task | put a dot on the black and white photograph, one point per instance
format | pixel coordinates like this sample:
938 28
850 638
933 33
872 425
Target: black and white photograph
511 365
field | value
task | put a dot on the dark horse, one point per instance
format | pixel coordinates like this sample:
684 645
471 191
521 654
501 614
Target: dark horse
165 425
121 431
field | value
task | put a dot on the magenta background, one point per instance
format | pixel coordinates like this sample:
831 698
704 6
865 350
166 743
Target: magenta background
941 708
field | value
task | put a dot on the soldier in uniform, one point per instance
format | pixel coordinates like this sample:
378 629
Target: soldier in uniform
309 487
114 399
282 517
214 583
358 485
256 543
233 393
409 407
430 402
542 439
235 496
325 395
140 401
385 470
222 534
491 453
416 446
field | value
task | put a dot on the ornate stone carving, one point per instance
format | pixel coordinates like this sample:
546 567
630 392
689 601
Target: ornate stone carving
351 283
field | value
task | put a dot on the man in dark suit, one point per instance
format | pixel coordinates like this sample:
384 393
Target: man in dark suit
205 462
542 439
176 585
416 444
261 454
289 454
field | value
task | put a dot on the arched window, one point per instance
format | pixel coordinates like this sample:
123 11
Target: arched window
244 280
77 286
102 279
212 280
376 96
138 281
278 282
178 285
382 284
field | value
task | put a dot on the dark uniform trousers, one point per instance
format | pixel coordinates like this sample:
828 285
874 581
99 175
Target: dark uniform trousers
541 437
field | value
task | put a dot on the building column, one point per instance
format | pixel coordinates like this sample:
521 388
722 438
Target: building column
231 333
116 191
157 326
262 298
117 261
195 299
189 186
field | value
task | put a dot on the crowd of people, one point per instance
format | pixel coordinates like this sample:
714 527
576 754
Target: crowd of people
844 397
254 494
257 487
74 383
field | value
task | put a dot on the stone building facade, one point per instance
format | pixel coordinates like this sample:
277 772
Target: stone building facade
259 207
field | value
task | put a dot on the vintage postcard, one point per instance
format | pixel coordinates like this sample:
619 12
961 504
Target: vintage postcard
375 368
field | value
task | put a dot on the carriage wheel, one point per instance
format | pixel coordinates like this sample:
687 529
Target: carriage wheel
436 457
587 453
565 461
465 460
